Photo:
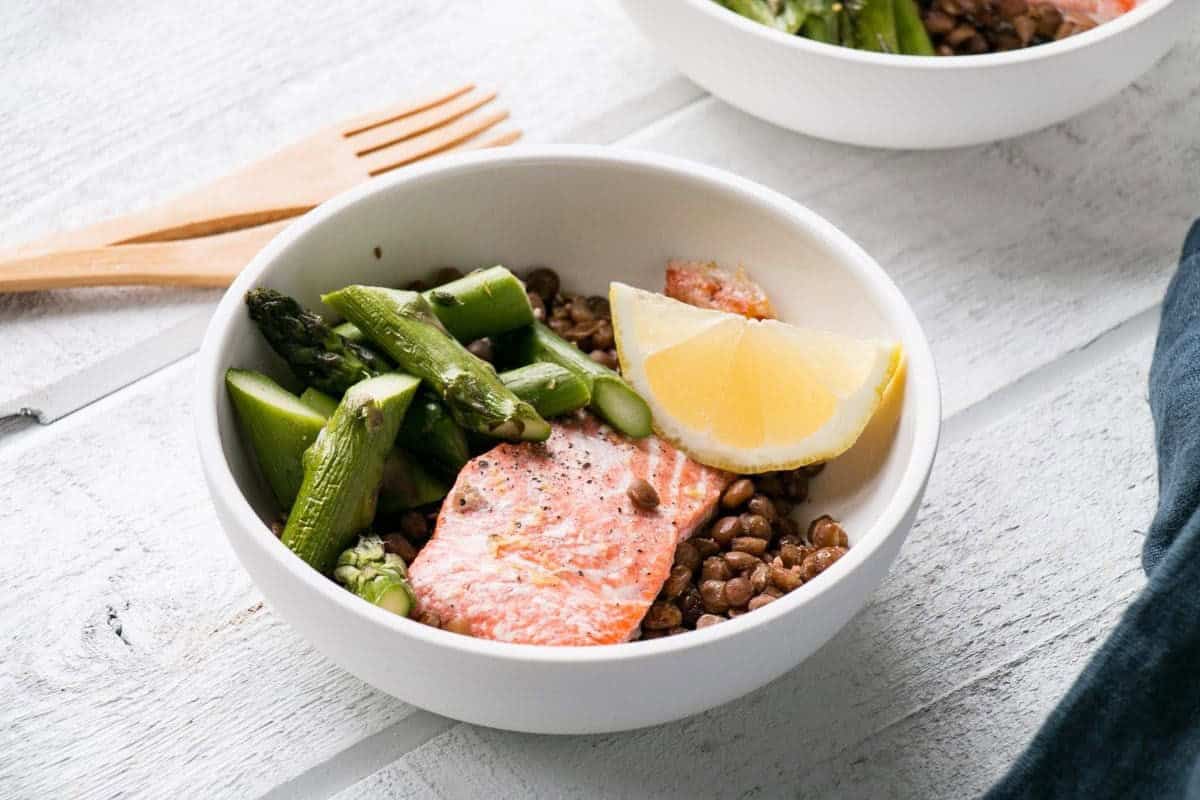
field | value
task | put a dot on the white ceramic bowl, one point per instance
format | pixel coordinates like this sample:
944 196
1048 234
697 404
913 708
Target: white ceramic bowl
882 100
595 215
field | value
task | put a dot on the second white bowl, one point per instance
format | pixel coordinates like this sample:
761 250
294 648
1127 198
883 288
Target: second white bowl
905 102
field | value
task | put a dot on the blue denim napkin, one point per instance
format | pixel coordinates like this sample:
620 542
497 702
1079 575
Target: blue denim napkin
1130 726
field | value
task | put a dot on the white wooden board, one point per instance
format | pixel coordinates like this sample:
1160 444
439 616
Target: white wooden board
139 660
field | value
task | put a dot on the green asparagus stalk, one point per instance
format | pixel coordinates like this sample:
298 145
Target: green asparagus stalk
784 15
549 388
822 28
612 398
317 355
278 428
404 326
322 403
875 24
375 575
910 30
429 431
484 303
349 332
406 482
343 469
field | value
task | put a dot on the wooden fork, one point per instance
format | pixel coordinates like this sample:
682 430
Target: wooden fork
279 187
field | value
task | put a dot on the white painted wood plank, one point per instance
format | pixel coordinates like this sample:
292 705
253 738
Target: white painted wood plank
107 109
138 658
1014 253
1028 541
964 743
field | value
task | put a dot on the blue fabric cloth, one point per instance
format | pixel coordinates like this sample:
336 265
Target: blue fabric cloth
1130 726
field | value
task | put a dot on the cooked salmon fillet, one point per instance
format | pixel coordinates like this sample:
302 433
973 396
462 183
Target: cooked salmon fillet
539 543
705 285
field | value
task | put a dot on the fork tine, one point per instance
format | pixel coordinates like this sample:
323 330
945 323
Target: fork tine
376 118
429 143
393 132
499 140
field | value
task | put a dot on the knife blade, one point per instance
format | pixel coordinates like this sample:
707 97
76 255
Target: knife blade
79 389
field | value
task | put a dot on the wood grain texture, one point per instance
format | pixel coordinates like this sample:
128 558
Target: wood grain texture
143 663
1027 546
102 116
1012 253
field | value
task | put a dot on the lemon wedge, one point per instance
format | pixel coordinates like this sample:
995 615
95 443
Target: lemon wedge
748 395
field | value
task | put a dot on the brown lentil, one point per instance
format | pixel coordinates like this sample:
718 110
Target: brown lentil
739 561
786 578
738 492
706 547
715 568
691 604
482 348
759 576
706 620
725 529
759 601
643 495
761 504
738 591
824 532
677 582
396 543
687 555
661 616
793 555
756 525
820 561
605 358
712 593
750 544
542 282
458 625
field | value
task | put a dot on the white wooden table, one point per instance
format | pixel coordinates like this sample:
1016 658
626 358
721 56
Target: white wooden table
138 659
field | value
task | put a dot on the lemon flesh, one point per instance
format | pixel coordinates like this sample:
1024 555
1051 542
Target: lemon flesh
747 395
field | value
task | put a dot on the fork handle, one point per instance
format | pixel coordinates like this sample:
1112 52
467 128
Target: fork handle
211 261
286 184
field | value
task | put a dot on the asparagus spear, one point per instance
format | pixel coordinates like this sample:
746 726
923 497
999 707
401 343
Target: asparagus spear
429 431
344 467
612 398
404 326
406 482
317 355
484 303
277 426
376 576
910 30
822 28
549 388
784 15
322 403
348 331
876 27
